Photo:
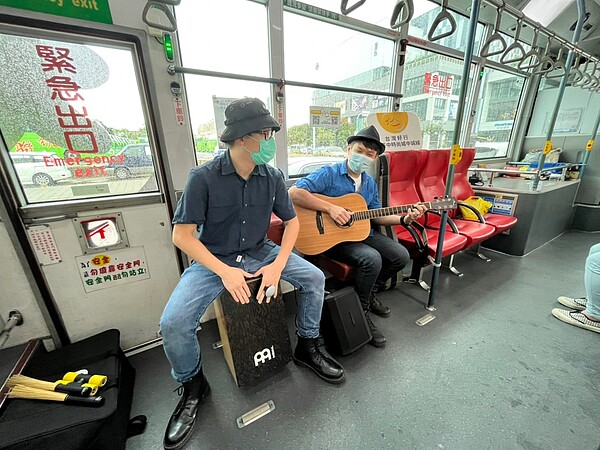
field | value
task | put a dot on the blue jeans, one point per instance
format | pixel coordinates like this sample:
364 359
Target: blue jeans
377 259
199 287
592 282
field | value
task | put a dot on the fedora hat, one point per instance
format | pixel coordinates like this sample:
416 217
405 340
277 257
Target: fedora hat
245 115
368 134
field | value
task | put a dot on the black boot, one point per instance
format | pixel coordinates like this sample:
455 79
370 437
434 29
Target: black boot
183 418
376 307
378 340
311 353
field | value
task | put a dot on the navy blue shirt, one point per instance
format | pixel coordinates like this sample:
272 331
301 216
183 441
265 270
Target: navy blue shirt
233 215
334 181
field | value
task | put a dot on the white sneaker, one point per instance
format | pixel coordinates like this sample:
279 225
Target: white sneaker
576 318
573 303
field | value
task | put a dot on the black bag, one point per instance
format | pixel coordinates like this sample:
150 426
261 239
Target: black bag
343 323
29 424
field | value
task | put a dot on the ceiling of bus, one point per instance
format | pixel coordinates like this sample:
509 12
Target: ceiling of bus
590 35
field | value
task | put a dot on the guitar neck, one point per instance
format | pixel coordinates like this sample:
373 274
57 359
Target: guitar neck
382 212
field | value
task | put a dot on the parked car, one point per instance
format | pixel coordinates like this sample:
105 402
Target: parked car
305 165
39 168
137 160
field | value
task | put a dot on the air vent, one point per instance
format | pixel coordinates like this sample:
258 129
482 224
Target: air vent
586 25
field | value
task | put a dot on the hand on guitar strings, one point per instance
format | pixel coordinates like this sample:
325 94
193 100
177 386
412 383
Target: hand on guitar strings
339 214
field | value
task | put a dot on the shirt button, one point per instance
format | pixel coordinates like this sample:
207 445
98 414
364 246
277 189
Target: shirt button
243 239
245 204
243 221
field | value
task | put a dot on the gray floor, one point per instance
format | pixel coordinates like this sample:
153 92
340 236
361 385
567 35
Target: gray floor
494 370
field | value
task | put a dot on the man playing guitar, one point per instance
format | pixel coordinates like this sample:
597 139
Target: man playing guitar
377 258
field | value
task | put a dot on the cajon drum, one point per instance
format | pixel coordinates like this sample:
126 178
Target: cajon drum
255 337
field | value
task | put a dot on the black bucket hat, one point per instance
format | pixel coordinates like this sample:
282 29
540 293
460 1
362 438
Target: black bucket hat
245 115
369 134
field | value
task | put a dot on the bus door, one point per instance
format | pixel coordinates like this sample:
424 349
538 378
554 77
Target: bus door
81 157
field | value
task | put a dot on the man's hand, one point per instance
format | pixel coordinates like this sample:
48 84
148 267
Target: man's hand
270 277
234 280
340 215
415 212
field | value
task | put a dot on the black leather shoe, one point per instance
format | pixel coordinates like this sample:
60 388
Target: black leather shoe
311 353
378 308
183 418
378 340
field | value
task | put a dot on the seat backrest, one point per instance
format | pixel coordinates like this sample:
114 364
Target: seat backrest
404 168
461 188
432 182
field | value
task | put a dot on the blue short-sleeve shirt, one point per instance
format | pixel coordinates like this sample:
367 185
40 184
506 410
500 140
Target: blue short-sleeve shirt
334 181
233 215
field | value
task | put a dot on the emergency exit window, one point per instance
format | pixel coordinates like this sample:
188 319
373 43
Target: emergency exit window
73 118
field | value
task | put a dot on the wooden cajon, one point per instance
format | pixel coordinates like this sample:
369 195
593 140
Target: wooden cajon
255 337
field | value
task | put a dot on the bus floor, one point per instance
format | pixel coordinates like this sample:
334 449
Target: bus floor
494 370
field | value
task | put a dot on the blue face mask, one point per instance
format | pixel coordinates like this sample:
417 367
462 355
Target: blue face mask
359 163
266 152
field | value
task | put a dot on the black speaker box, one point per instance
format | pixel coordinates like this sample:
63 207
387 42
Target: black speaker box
343 323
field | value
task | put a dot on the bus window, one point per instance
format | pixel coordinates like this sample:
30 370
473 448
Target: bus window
72 113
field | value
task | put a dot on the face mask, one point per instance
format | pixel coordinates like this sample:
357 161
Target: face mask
359 163
266 153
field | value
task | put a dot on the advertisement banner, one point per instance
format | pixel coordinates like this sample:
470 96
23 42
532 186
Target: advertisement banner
398 130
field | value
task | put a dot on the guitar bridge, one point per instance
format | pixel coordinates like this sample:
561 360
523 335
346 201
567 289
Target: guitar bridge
320 226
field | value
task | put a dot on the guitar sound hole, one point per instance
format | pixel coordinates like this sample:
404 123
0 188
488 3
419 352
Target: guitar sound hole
347 224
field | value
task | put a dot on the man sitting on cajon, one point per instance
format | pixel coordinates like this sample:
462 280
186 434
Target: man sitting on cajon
229 201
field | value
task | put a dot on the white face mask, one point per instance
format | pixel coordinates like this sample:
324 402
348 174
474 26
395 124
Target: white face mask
359 163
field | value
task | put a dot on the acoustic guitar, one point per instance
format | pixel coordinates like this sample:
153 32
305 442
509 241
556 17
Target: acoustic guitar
319 232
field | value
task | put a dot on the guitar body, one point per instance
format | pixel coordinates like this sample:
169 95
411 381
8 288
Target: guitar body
319 232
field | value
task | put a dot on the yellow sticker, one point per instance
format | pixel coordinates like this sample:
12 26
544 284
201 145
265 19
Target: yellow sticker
456 155
547 147
589 145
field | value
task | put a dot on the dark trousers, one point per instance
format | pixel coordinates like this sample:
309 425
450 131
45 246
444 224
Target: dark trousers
377 259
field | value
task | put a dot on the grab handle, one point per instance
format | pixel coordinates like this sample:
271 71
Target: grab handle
397 19
558 65
171 27
344 7
546 59
443 15
514 46
534 54
495 37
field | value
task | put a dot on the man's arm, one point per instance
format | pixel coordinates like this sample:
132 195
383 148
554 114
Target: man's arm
232 277
305 199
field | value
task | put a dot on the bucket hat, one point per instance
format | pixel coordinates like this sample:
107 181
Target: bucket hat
369 134
245 115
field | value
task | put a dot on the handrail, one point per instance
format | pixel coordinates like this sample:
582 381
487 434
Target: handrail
396 21
534 54
546 59
165 9
558 65
344 6
443 15
514 46
169 2
495 37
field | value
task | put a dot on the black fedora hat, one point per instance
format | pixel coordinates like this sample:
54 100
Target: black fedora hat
369 134
245 115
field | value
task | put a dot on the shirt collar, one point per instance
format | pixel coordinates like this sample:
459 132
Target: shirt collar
227 167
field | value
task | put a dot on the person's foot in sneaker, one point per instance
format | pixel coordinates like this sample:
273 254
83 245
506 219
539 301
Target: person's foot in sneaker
578 318
573 303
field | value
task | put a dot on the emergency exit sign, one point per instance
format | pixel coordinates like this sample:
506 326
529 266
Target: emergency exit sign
92 10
